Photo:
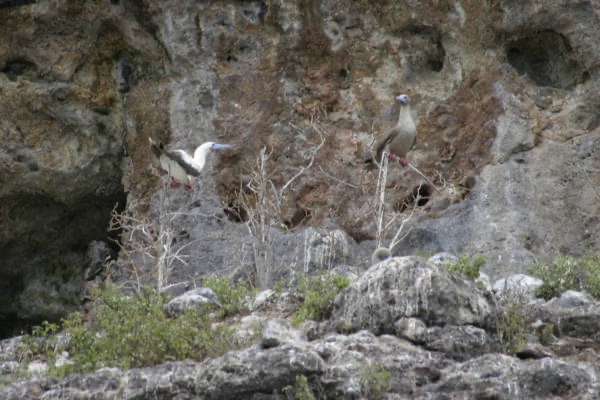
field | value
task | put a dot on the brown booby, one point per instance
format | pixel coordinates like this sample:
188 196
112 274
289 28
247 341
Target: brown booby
400 138
380 254
180 165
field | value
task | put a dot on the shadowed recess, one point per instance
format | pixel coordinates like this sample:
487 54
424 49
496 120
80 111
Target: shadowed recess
547 59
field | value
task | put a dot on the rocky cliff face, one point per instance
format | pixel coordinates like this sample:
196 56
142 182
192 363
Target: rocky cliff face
503 93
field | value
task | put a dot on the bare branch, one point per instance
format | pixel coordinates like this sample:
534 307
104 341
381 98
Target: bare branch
312 159
423 176
338 180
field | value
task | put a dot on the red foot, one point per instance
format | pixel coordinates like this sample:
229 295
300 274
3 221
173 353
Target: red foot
174 184
392 157
403 161
187 186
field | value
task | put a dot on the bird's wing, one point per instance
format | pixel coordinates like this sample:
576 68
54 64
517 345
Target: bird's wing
173 168
184 160
384 142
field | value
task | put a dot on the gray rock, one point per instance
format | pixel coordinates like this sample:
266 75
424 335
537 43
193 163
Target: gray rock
348 358
408 287
277 331
412 329
458 342
262 299
503 377
194 298
442 258
97 254
571 299
517 286
312 250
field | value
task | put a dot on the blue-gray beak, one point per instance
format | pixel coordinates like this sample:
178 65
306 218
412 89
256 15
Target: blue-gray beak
217 146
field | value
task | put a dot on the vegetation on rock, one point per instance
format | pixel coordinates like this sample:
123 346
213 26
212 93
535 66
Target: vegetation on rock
375 381
128 331
234 297
568 273
466 266
317 294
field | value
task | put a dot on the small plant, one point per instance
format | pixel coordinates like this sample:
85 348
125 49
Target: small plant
300 391
317 294
233 296
375 381
128 331
43 342
512 327
566 273
469 268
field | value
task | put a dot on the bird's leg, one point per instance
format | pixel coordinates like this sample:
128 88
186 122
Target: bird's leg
403 161
392 157
188 185
174 184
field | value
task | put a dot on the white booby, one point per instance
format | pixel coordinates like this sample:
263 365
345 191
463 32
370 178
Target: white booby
380 254
180 165
400 138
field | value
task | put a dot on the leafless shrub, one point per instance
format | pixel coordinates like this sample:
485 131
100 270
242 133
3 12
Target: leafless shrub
145 241
263 202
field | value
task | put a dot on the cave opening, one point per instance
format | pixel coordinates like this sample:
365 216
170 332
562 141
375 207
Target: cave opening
43 246
547 58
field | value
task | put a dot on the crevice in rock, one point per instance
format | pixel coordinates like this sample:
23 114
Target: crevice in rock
425 51
300 217
547 59
18 67
235 213
418 197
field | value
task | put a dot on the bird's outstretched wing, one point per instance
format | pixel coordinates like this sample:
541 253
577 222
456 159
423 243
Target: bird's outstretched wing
184 161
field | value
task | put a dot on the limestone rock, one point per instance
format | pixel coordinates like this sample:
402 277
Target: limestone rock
275 332
519 286
408 287
192 299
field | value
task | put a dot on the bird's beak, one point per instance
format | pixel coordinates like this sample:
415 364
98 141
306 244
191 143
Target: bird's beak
401 99
217 146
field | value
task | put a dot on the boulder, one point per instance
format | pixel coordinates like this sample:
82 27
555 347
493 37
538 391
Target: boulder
409 287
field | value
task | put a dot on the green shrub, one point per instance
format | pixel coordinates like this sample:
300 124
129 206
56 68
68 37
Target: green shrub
512 328
566 273
300 391
317 294
467 267
234 297
128 331
375 381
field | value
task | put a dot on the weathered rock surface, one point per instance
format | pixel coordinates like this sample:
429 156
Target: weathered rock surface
408 287
429 358
504 100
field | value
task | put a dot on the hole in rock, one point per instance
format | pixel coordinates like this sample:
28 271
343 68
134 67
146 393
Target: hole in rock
547 59
300 217
418 197
16 68
236 213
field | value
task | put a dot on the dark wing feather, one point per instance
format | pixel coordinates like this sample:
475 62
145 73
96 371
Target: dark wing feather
177 157
381 145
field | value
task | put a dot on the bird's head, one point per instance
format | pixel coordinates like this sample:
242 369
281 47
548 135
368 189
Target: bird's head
403 99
